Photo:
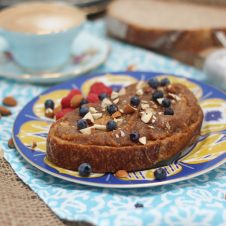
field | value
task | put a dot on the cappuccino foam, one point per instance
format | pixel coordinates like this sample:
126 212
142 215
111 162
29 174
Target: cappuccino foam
40 18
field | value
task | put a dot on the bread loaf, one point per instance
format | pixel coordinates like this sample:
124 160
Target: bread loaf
162 25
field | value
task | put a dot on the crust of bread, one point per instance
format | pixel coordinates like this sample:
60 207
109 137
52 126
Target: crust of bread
193 41
104 154
70 155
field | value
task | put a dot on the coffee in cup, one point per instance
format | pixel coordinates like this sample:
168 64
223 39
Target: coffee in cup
40 34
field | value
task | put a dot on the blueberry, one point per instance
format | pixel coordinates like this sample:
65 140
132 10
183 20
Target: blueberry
166 103
157 94
160 174
49 104
153 83
168 111
134 136
84 170
139 205
102 96
111 125
82 124
112 108
84 101
135 101
83 111
164 82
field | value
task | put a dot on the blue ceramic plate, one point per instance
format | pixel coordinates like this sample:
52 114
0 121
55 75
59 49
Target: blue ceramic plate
206 154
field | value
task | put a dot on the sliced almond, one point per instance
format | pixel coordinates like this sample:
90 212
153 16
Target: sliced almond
168 125
144 106
174 96
116 101
122 91
49 113
121 174
140 92
122 133
128 109
87 130
75 101
143 140
146 117
116 135
140 85
121 110
89 116
99 127
118 121
114 95
117 114
159 100
92 110
97 115
105 102
152 127
149 110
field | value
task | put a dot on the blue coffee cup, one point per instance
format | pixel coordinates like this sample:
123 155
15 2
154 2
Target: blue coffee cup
41 52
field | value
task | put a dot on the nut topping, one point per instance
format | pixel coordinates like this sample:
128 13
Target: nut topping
92 110
9 101
97 115
128 109
75 101
122 91
144 106
121 174
146 117
105 103
87 130
99 127
114 95
116 101
117 114
143 140
139 92
89 116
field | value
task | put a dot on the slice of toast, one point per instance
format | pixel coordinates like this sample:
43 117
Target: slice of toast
162 25
145 135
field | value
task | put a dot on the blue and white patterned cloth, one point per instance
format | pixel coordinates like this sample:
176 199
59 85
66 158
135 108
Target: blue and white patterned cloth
199 201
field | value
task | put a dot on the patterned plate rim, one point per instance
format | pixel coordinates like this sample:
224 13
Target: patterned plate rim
105 185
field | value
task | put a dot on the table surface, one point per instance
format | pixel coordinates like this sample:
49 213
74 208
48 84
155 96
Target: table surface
199 201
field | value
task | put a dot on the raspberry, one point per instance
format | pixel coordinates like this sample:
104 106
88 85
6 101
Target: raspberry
74 92
92 98
66 101
100 87
63 112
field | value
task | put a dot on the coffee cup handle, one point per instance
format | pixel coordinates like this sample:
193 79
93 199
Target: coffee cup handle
3 42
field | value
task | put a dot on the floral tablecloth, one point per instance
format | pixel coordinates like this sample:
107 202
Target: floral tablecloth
199 201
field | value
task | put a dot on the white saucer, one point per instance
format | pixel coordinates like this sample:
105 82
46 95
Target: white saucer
88 52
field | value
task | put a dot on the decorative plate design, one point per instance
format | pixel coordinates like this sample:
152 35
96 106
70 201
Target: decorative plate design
207 153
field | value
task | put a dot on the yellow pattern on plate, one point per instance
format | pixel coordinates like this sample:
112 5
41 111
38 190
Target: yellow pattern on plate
70 172
209 148
34 131
38 107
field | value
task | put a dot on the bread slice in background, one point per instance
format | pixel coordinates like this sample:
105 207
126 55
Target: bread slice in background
166 25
